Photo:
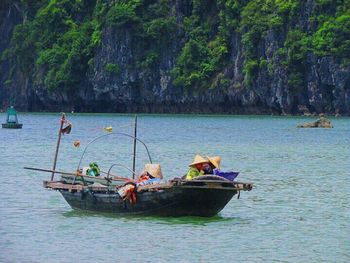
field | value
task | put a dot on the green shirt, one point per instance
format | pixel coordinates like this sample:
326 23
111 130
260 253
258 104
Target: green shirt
193 172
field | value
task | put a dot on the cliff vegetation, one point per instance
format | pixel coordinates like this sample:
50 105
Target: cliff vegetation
221 56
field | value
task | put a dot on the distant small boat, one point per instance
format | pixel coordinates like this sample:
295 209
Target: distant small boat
12 120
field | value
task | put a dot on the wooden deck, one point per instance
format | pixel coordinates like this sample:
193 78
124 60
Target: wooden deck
58 185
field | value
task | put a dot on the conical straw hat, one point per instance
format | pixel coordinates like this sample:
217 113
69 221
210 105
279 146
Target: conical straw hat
215 161
198 159
154 170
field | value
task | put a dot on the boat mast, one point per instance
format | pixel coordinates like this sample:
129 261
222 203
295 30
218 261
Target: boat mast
134 155
63 119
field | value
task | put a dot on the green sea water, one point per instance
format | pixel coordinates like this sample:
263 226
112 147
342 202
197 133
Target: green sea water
298 210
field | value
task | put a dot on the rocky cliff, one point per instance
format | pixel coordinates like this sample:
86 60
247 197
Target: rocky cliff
173 56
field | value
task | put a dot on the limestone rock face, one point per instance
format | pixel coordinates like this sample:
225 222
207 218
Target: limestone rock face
326 86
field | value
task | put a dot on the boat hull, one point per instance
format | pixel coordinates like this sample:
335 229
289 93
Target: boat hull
12 125
175 201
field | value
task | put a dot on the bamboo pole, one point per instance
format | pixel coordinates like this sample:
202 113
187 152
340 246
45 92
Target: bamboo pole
115 178
49 171
134 155
63 119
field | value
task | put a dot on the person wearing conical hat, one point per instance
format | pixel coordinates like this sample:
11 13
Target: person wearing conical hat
196 167
151 174
215 165
150 171
153 170
215 161
212 164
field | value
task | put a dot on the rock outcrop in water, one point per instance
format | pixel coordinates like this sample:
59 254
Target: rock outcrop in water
204 60
322 122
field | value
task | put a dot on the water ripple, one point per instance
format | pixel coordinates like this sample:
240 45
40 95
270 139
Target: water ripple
298 210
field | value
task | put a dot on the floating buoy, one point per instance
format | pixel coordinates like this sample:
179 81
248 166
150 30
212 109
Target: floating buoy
76 143
108 129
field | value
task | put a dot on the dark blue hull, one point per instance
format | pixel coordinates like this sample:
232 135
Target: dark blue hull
12 125
175 201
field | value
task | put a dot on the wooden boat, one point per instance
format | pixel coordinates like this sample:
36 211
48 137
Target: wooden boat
203 196
11 120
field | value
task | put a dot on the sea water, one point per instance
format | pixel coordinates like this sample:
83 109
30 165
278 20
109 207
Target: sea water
298 210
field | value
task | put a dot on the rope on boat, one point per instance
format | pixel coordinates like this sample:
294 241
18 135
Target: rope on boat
114 133
91 194
110 168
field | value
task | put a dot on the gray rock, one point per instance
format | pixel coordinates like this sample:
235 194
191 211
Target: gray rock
322 122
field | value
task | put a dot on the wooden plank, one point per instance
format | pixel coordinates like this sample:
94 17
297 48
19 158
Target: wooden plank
238 185
216 181
211 187
59 185
215 185
98 188
97 178
155 186
113 177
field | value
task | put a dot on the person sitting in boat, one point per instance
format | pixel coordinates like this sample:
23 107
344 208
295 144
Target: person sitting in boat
198 167
215 165
151 174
